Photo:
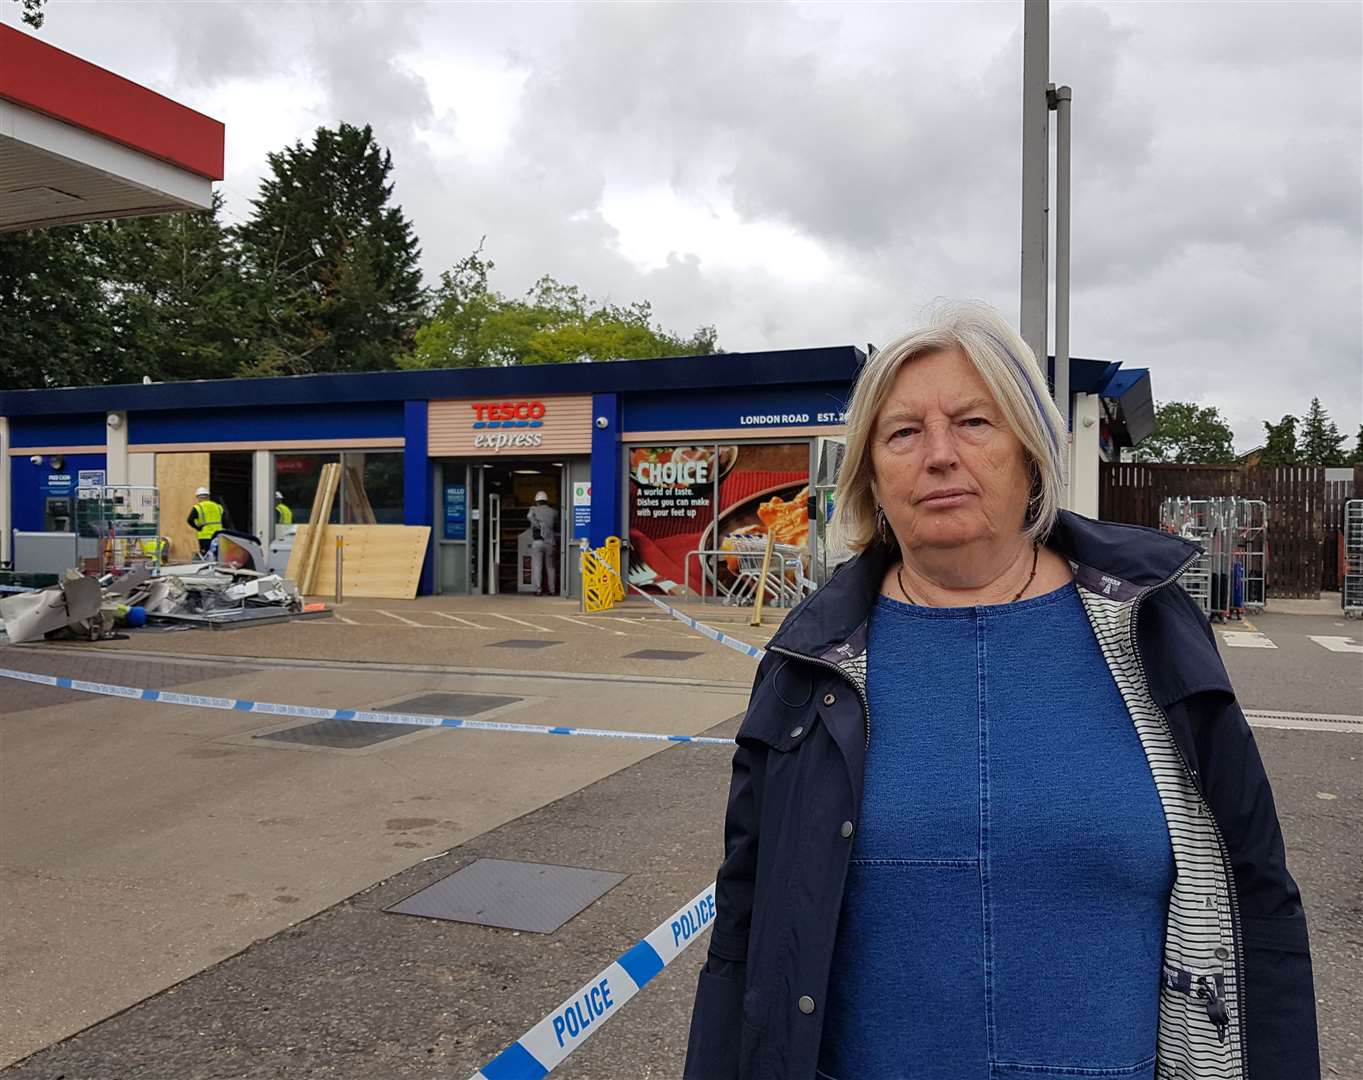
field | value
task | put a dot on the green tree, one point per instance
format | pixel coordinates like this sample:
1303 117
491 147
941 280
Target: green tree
472 325
332 262
1356 457
33 13
1280 443
1322 443
1188 434
177 304
53 325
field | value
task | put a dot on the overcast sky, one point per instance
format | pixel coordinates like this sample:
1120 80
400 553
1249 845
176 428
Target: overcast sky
813 174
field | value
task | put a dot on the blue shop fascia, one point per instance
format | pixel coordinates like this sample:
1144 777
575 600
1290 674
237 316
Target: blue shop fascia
464 451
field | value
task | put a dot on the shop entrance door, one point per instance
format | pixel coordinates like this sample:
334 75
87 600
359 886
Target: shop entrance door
507 490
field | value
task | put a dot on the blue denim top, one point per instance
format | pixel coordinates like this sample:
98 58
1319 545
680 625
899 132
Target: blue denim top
1004 909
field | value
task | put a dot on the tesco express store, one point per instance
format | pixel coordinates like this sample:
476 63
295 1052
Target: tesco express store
672 454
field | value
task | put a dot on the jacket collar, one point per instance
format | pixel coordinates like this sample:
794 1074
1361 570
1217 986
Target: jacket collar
1120 561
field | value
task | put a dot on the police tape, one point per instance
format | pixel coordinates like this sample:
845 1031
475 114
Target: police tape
367 716
549 1042
719 636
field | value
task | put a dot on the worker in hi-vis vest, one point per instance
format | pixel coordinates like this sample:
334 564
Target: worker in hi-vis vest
282 514
206 518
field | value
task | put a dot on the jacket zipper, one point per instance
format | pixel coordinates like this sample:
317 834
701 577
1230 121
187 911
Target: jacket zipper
861 694
1215 1007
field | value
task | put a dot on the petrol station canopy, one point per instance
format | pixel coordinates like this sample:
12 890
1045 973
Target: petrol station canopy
79 143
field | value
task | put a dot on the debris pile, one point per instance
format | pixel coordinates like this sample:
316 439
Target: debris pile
203 594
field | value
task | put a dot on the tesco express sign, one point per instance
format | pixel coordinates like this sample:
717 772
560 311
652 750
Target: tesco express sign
504 415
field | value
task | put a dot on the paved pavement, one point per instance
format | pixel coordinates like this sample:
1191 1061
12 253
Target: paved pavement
155 842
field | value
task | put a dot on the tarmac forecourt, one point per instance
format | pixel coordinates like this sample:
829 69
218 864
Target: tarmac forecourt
549 1042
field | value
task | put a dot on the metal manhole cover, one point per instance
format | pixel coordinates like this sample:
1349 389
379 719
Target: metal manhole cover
660 654
451 704
537 897
341 734
522 643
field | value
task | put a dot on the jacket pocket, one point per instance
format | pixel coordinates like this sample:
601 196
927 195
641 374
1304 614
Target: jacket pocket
713 1048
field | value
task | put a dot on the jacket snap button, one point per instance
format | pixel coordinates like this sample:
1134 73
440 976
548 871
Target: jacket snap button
846 829
806 1005
828 699
1223 954
795 733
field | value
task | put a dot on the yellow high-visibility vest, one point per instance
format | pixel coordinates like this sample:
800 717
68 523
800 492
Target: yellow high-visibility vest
283 513
210 518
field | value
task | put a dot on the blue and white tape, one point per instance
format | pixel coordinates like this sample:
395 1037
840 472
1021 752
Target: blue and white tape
718 636
368 716
577 1019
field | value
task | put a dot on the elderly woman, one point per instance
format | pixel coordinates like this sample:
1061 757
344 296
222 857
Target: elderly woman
995 811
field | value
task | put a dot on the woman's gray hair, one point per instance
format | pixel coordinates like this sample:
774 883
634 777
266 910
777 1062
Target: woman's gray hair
1010 370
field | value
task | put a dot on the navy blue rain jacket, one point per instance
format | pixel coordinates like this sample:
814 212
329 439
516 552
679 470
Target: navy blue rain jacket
796 789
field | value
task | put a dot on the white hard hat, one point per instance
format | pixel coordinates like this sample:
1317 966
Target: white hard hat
201 491
541 496
279 495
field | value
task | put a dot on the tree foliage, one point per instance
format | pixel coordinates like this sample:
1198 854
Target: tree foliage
1188 434
332 262
115 301
1280 443
33 14
472 325
1322 443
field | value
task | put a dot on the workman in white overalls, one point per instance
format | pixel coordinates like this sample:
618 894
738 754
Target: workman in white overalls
543 520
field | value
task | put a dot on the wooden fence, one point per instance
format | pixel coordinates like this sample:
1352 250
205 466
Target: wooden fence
1295 494
1337 493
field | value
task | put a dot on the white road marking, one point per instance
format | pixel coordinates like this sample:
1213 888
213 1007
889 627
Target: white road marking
520 622
1242 639
584 622
400 619
342 618
1337 644
462 621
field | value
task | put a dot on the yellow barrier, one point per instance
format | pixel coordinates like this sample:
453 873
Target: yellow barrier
602 583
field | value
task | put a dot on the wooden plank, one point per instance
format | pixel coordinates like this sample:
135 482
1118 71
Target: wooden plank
327 483
381 561
177 475
359 510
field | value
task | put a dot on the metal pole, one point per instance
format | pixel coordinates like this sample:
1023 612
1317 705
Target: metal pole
340 568
1035 150
1062 98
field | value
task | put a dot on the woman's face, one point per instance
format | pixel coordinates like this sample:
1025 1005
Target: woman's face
948 470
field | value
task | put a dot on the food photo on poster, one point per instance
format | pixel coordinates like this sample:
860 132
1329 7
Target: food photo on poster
704 499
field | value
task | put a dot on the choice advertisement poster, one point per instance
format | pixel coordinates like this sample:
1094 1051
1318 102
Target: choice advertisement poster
697 498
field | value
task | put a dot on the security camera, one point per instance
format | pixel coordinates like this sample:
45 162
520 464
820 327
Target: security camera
602 422
115 421
36 459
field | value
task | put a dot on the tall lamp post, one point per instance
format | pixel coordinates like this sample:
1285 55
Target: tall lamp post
1039 97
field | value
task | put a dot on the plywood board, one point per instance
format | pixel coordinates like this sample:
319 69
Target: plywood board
382 562
177 476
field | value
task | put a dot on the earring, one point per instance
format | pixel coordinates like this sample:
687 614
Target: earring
882 523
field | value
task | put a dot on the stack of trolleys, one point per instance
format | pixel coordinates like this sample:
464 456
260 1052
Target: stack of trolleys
1249 585
1352 596
1189 519
1220 545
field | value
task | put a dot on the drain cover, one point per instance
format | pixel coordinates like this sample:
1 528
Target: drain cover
660 654
522 643
341 734
512 895
451 704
